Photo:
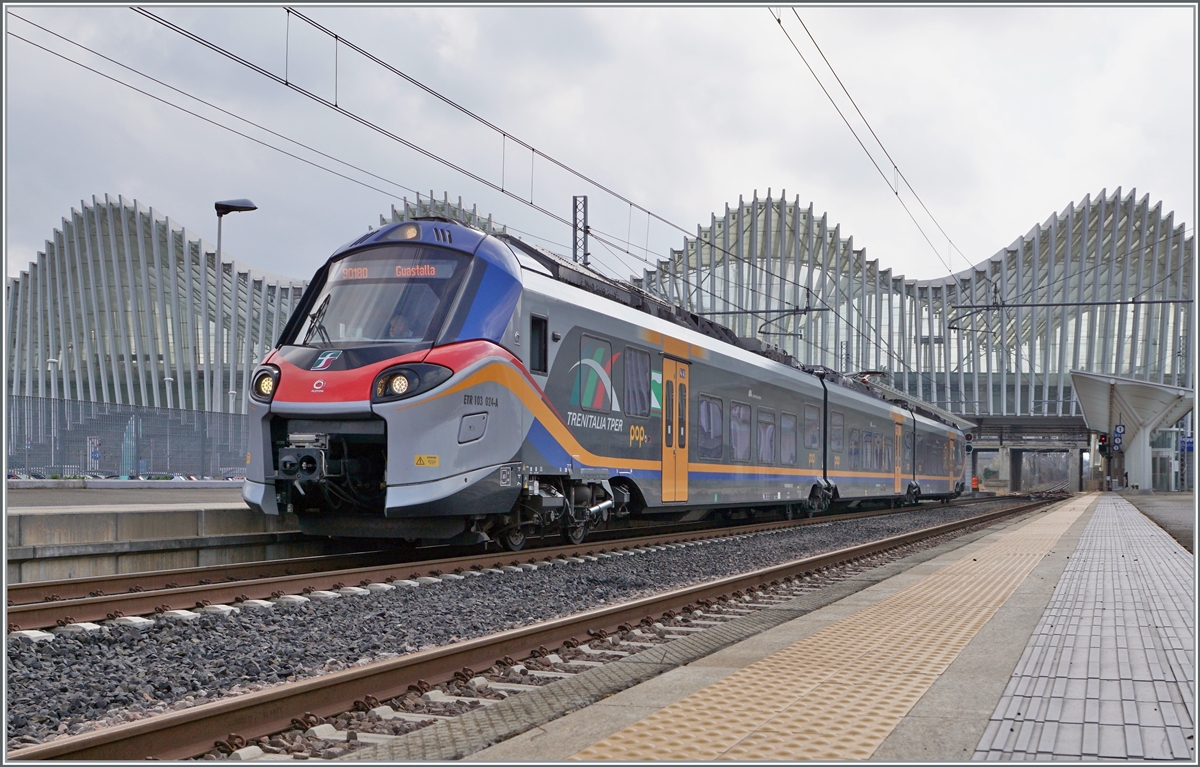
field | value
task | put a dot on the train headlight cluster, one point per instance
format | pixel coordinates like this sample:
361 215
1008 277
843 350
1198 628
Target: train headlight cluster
395 385
408 380
264 383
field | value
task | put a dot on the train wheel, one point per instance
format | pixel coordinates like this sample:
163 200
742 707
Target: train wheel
574 535
513 538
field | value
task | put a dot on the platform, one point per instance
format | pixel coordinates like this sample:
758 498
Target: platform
1066 635
66 532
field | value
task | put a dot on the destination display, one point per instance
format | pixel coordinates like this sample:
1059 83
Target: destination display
391 269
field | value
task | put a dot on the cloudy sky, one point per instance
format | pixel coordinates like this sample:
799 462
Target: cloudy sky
996 116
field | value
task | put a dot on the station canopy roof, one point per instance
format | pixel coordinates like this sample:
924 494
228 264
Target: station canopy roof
1150 405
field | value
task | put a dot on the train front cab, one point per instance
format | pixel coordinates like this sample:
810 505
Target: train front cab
386 409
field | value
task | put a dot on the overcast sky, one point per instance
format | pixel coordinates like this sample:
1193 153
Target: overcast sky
997 116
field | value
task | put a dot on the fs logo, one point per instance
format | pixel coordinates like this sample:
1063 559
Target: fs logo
325 359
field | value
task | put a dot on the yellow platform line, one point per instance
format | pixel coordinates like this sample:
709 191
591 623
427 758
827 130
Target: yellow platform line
840 692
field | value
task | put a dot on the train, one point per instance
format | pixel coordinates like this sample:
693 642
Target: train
437 384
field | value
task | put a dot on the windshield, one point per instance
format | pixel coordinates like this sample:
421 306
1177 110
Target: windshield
397 294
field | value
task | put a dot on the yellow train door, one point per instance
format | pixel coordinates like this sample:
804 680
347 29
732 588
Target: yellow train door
675 434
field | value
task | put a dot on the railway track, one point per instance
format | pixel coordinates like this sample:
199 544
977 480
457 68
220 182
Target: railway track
193 731
45 604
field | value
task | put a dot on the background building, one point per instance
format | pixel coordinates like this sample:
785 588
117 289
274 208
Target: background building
1104 286
129 348
136 311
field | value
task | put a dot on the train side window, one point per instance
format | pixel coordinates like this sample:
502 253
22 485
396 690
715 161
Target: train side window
878 452
637 382
683 415
868 451
812 427
766 436
908 453
889 454
669 413
710 415
539 359
739 431
787 438
837 430
855 452
594 382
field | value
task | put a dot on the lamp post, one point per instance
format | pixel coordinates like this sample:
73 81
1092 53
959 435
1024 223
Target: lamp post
52 366
223 207
170 382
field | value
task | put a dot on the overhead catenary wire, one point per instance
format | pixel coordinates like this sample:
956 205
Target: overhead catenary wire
700 288
237 117
383 131
887 154
895 190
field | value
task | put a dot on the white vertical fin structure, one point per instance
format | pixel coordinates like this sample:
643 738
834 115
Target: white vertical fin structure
125 300
1103 286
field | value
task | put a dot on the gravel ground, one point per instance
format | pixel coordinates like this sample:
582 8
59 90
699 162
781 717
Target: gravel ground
80 682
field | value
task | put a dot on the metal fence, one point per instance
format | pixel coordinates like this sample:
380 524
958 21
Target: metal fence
70 438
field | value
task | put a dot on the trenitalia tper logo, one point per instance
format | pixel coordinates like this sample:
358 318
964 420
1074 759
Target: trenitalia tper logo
325 359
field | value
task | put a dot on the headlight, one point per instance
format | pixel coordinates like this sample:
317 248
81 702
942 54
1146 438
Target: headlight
408 380
265 382
409 231
395 384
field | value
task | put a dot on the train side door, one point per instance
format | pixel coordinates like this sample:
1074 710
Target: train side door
897 452
676 432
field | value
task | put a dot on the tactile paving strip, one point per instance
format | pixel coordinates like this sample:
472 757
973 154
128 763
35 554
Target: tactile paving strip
1108 672
840 692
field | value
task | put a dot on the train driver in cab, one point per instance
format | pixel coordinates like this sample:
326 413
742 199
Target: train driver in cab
399 327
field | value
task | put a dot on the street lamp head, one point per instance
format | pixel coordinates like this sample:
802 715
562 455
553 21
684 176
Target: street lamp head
234 206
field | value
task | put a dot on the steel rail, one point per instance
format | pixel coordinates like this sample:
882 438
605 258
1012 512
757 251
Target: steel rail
106 607
78 588
61 589
45 614
191 732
